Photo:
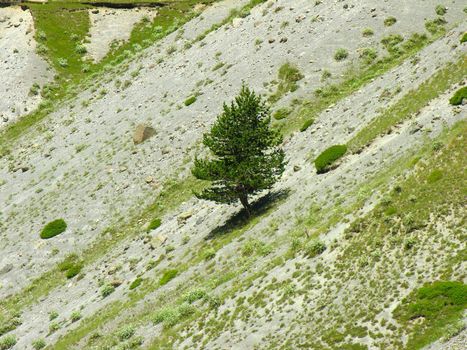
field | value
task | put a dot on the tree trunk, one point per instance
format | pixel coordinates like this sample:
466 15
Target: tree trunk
244 200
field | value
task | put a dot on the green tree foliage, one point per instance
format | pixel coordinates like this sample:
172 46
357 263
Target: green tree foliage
246 157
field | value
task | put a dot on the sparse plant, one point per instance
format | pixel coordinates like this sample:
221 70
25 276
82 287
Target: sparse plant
390 21
38 344
341 54
106 290
367 32
75 316
7 342
126 332
136 283
441 10
189 101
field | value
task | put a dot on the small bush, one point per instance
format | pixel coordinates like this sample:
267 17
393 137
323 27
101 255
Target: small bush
53 229
53 315
126 333
314 248
306 124
390 21
390 42
167 277
328 157
460 95
136 283
194 295
190 101
7 342
53 327
209 254
441 10
168 316
63 62
106 290
73 271
75 316
436 25
368 55
341 54
281 113
38 344
155 223
464 38
81 49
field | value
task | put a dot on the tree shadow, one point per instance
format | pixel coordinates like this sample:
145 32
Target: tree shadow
241 218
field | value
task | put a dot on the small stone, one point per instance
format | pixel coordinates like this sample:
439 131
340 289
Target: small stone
149 179
296 168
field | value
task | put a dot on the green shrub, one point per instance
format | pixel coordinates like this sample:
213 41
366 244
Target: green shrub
167 277
194 295
190 100
7 342
53 229
71 265
306 124
106 290
367 32
81 49
435 26
168 316
341 54
73 270
314 248
186 310
368 54
126 333
328 157
281 113
441 10
209 254
75 316
391 41
464 38
155 223
136 283
460 94
38 344
53 315
390 21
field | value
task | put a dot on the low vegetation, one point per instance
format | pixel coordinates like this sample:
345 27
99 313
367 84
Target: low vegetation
289 75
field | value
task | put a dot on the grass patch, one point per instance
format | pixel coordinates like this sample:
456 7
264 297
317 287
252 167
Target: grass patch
327 158
155 223
168 276
341 54
306 124
281 113
136 283
439 303
288 76
53 229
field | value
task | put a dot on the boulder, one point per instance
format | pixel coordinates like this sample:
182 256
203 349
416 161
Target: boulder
142 133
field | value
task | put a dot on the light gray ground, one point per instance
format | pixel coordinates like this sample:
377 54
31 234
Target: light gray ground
20 65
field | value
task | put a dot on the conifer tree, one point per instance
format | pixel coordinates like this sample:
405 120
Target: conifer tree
246 157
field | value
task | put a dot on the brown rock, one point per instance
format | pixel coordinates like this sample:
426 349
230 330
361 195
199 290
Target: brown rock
142 133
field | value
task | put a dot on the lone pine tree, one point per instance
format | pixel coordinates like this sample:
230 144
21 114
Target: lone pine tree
245 154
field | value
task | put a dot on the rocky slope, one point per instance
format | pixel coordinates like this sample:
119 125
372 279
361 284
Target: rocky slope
82 166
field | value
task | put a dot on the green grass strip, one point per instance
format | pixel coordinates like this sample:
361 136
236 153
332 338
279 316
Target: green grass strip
411 103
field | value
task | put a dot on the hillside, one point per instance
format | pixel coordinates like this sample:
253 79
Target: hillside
368 255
